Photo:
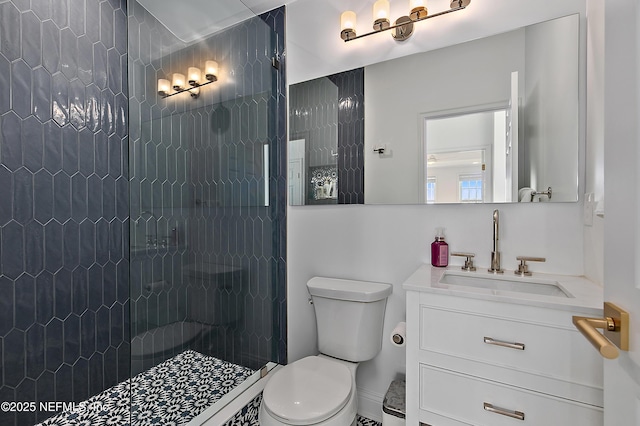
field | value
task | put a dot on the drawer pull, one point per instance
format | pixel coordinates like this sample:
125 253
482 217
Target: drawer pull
513 414
492 341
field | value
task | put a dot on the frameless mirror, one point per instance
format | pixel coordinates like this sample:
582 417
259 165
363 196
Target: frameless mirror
493 120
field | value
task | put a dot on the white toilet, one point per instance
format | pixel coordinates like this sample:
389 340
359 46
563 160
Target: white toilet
321 390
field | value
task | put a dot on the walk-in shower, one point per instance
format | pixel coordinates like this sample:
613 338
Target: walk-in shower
142 262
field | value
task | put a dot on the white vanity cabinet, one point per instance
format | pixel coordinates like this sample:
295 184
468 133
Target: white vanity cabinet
478 359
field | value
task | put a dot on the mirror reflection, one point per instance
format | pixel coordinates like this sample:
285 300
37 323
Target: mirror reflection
493 120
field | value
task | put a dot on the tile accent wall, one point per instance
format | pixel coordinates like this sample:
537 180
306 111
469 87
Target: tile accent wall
198 167
350 135
64 214
335 137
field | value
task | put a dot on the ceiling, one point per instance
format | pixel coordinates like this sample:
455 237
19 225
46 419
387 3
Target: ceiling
192 19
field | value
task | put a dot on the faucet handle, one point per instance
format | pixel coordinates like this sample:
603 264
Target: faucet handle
468 263
523 268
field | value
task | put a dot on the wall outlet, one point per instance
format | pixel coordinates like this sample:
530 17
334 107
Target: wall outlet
589 207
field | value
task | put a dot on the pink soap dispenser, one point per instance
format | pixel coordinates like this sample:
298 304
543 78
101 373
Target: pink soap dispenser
439 250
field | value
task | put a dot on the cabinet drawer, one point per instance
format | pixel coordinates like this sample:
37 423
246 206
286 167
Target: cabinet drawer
537 349
448 397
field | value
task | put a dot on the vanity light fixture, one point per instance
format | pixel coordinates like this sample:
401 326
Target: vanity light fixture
191 83
402 27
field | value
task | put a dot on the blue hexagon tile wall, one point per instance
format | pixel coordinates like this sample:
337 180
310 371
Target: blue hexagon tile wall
64 213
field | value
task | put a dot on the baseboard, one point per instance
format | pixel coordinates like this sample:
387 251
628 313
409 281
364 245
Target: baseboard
370 404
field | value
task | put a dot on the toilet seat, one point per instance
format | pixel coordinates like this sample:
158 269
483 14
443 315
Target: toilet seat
308 391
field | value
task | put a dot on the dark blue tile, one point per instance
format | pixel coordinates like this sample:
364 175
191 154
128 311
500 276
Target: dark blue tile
86 152
122 198
45 388
121 113
11 140
94 198
52 160
117 323
100 65
41 94
31 39
22 195
87 243
106 24
102 329
68 53
71 244
34 248
42 8
64 384
96 374
77 107
32 143
60 96
77 16
69 150
7 306
85 60
71 339
60 12
110 367
21 88
44 298
114 74
108 198
87 334
62 291
93 105
78 197
108 111
102 242
62 197
101 154
10 31
6 208
95 287
109 286
120 31
50 46
5 81
122 281
25 302
53 243
35 351
80 380
54 344
14 361
79 279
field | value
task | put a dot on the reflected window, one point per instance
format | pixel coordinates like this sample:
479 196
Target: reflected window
471 188
431 189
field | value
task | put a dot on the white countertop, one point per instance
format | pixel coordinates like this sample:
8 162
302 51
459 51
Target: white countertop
587 296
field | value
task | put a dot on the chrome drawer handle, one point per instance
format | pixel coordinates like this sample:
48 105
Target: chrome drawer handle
513 414
492 341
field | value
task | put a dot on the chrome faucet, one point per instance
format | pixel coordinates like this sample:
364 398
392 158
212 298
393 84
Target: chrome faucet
495 254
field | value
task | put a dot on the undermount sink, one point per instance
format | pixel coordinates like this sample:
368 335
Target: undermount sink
501 283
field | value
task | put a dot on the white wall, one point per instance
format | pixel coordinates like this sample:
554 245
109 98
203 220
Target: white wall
594 234
550 112
387 243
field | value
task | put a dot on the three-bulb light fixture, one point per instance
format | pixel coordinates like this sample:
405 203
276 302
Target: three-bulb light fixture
403 26
191 83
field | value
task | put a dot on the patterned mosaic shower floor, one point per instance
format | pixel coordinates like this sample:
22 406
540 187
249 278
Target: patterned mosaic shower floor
169 394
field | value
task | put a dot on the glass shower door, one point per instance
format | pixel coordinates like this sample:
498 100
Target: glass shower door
207 285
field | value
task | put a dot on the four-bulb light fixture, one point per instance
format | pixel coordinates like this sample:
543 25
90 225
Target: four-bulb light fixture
191 83
403 26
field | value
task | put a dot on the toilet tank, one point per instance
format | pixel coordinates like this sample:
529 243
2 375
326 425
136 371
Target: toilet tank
349 316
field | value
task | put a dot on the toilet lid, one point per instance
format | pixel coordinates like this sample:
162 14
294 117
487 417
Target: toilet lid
308 391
